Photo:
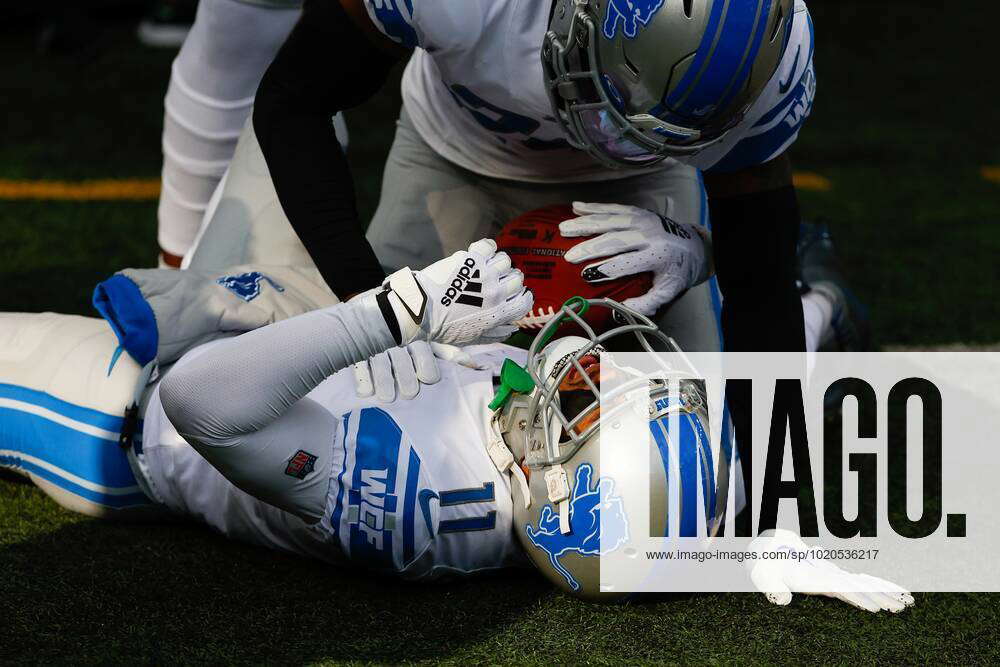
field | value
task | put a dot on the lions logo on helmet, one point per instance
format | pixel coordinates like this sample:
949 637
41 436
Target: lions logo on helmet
590 511
629 13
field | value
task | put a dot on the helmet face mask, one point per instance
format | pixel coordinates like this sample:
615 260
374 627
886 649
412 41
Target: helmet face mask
555 433
618 111
589 106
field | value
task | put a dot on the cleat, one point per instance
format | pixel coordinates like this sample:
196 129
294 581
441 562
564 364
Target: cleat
820 270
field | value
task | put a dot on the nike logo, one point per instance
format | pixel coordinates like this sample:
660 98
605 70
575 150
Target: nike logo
424 498
784 87
419 316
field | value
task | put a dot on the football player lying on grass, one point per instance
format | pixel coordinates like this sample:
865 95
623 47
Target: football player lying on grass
265 438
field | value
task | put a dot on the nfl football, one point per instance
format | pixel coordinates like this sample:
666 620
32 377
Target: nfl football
536 248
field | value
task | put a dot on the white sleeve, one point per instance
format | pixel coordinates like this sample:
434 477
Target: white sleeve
241 403
772 124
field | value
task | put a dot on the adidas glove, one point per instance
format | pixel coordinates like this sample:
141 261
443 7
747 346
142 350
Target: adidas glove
802 572
633 240
472 296
400 371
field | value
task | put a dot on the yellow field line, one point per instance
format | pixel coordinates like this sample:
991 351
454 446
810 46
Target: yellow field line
991 174
108 189
144 189
807 180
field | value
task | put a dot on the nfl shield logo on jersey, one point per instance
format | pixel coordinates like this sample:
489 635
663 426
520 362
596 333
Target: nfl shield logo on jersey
301 464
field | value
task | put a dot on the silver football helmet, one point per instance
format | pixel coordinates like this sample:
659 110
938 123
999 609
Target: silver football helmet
636 81
547 433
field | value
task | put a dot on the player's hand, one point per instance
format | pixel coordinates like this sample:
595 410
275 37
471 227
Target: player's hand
400 371
634 240
803 573
472 296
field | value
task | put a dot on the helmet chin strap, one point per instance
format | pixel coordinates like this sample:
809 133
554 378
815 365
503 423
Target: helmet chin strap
556 481
503 459
557 484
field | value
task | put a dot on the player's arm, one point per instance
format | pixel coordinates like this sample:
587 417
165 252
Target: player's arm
335 59
755 227
240 403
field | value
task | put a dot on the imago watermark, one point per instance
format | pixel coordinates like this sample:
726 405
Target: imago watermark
886 458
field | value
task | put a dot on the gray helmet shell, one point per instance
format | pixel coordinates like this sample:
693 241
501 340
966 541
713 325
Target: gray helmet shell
636 81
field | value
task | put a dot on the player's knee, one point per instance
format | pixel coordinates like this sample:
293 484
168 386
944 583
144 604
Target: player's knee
183 407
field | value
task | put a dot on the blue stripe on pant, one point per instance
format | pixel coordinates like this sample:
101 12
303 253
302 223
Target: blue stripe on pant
69 446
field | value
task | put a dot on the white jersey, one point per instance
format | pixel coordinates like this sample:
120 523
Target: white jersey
412 490
475 92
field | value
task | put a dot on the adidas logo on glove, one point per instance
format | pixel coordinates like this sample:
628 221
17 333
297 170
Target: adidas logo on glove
466 286
471 296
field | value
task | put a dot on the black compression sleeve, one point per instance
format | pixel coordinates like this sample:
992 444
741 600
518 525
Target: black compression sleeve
327 65
754 238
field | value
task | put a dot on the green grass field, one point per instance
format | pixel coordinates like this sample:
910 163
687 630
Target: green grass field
902 127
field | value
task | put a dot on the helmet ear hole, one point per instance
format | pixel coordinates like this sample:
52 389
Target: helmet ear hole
688 8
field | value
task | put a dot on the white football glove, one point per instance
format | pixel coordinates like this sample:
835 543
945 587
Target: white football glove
778 579
401 370
635 240
473 295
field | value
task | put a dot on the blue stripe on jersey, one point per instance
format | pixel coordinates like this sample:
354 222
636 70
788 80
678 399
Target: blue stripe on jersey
75 412
780 107
373 485
83 455
338 509
763 147
796 92
106 499
409 505
738 40
395 20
